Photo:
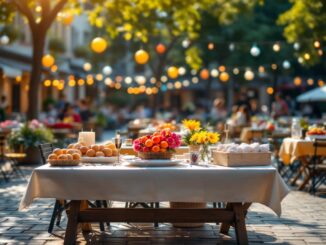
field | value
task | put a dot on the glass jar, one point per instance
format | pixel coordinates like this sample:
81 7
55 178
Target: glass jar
296 129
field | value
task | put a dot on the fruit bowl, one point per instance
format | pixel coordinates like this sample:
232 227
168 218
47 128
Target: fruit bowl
155 155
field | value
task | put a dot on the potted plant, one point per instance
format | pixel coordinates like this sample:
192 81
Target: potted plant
28 137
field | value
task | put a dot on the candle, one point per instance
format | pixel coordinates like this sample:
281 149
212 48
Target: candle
87 137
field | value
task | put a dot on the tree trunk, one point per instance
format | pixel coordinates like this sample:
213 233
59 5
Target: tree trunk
36 74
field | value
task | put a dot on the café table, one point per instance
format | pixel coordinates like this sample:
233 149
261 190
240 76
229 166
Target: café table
238 187
303 150
249 134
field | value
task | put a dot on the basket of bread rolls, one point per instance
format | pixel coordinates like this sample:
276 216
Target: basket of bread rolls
105 153
64 157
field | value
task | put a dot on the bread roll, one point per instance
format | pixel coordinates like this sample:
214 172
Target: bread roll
107 152
52 157
100 154
90 153
57 151
83 149
76 156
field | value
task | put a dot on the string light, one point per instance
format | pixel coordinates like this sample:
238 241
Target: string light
170 85
210 46
4 40
119 79
193 72
164 79
321 83
270 90
261 69
186 83
286 64
317 44
107 70
231 47
236 71
320 52
276 47
80 82
128 80
185 43
306 56
296 46
87 66
224 76
195 80
178 85
108 81
182 71
249 75
310 81
255 51
18 79
47 83
274 66
71 83
222 68
297 81
214 73
54 68
55 83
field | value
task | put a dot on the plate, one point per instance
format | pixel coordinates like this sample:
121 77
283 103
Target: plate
99 159
314 136
154 163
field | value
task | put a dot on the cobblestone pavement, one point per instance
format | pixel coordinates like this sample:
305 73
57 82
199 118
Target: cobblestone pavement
303 222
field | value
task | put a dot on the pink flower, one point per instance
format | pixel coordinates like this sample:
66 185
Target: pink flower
136 142
170 141
137 148
173 135
145 149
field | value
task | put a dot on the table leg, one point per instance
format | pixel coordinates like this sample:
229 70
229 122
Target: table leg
240 225
72 226
225 227
86 227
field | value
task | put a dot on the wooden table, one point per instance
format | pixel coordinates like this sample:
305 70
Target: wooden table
233 215
235 186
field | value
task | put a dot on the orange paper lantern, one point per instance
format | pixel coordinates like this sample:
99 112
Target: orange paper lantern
141 57
48 60
204 74
160 48
67 19
173 72
99 45
224 76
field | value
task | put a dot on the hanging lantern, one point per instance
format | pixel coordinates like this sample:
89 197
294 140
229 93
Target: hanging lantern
224 76
48 60
141 57
173 72
67 18
4 40
204 74
160 48
276 47
99 45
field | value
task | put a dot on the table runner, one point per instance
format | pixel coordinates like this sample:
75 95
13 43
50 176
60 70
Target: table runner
292 149
179 184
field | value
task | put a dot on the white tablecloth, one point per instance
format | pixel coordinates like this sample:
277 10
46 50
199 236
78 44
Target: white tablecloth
179 184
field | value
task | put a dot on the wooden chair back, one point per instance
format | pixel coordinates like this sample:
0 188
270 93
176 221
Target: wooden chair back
45 150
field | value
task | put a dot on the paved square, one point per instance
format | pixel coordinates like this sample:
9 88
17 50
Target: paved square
303 221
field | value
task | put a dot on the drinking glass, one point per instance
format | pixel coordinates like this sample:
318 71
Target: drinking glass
118 144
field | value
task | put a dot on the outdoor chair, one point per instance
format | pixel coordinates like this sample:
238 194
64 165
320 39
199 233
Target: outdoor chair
62 205
318 171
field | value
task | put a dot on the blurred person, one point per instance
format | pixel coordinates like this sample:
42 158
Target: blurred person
200 114
254 108
279 107
84 111
307 110
140 112
3 108
50 115
243 116
61 102
291 104
69 115
218 112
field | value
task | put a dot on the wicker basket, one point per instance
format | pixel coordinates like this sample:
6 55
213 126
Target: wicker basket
241 159
155 155
64 163
188 205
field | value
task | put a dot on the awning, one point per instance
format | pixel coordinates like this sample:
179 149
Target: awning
317 94
10 71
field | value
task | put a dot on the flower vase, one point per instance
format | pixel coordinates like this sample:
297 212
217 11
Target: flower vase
204 154
194 148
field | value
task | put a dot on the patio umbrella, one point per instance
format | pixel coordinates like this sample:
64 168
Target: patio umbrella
317 94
